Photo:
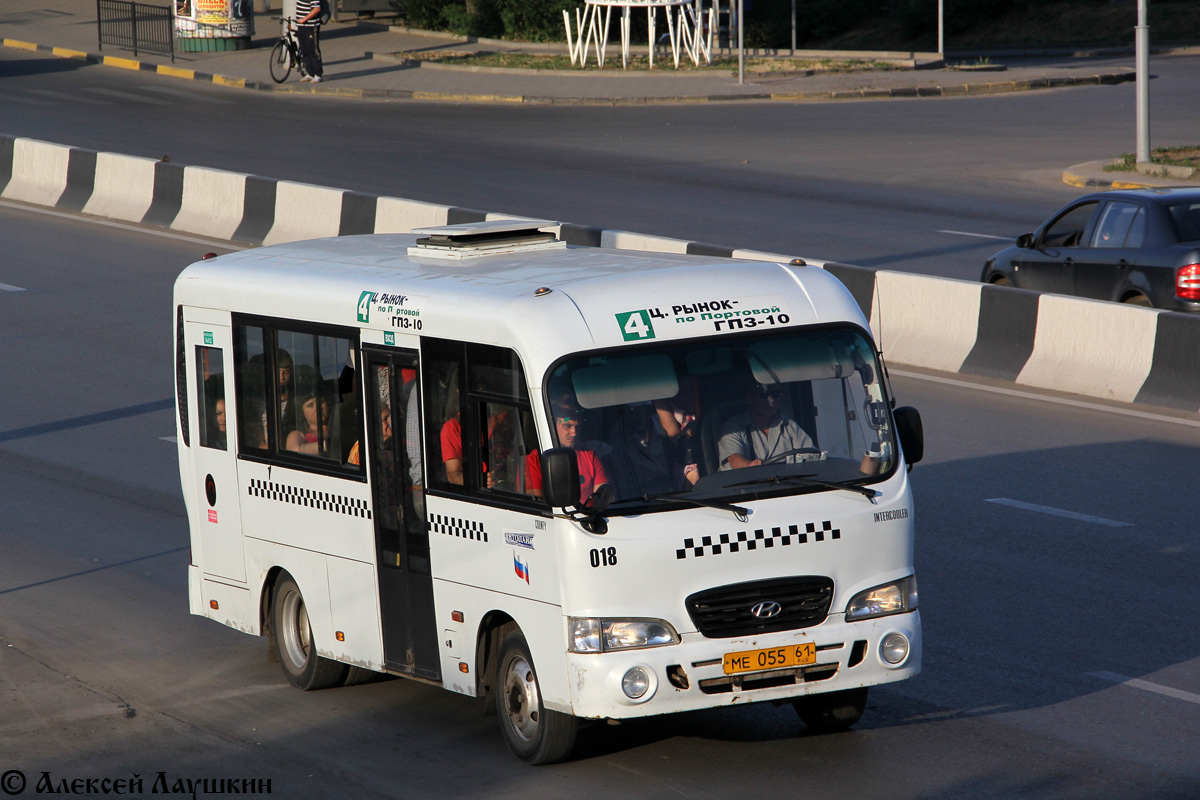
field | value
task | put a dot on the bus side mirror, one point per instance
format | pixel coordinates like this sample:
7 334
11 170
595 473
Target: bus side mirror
560 477
911 433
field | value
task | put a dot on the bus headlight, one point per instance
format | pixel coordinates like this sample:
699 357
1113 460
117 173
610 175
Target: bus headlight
898 597
590 635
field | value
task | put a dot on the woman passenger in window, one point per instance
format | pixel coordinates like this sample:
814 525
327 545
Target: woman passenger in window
312 430
219 414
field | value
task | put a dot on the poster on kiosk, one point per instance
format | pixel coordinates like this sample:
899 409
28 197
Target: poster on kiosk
212 25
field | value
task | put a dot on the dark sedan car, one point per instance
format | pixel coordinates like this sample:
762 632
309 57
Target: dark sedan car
1138 246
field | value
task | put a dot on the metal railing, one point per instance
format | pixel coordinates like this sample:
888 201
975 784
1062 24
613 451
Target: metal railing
135 26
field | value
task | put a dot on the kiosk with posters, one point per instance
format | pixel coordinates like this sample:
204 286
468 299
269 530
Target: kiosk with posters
213 25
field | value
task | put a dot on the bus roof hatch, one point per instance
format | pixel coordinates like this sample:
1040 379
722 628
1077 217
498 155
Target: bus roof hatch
492 237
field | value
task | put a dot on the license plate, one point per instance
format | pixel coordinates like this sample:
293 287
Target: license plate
794 655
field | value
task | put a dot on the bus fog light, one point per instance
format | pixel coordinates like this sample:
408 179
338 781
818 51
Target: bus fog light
894 648
635 683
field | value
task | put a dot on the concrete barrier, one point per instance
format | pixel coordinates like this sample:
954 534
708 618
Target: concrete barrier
212 202
123 189
394 215
304 211
38 172
1091 348
1069 344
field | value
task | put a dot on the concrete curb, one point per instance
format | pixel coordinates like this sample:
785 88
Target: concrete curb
1104 350
325 90
1091 175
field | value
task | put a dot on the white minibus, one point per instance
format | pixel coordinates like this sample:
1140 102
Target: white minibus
582 483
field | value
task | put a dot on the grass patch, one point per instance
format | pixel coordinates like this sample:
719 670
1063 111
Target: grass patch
1182 156
535 61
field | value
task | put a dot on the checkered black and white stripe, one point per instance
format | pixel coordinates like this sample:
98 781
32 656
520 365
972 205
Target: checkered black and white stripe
753 540
462 528
325 501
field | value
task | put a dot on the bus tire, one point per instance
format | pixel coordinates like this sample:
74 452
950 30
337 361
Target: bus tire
294 643
356 676
831 711
534 734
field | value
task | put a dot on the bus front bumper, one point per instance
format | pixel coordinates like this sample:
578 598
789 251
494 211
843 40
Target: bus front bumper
693 674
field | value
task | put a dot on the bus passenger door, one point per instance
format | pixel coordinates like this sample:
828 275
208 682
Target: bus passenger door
410 642
214 450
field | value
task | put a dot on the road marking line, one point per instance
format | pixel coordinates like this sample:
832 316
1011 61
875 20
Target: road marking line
1062 401
138 98
4 287
213 243
979 235
190 96
1058 512
170 439
1147 686
70 98
87 419
29 101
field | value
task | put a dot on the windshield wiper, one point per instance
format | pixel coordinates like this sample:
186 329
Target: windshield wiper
741 512
805 480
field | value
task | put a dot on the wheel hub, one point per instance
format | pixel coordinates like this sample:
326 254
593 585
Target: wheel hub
521 699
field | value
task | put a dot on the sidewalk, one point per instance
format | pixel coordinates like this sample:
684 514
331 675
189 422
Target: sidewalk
360 62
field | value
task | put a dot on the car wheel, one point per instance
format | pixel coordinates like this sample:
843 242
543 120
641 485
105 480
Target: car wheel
1137 299
831 711
999 280
302 666
532 732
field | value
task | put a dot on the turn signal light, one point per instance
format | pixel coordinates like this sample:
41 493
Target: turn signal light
1187 282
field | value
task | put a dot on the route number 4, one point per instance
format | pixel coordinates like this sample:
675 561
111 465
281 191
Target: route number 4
635 325
364 306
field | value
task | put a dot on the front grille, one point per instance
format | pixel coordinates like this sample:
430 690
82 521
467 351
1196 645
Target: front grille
725 612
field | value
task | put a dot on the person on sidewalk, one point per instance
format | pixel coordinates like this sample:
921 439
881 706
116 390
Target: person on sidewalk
308 22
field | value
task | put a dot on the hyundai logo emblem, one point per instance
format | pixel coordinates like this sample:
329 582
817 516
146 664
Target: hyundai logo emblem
766 609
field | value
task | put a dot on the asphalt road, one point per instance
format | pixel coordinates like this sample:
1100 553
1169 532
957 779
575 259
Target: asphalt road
1035 622
916 185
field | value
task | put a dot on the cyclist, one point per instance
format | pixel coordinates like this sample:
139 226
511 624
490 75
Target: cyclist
308 21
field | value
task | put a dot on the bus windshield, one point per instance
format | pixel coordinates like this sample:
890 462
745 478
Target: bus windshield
726 419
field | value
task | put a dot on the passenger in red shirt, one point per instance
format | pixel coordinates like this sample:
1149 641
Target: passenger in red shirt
591 472
499 425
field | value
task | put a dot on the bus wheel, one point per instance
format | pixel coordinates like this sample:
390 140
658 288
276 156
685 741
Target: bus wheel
831 711
294 640
532 732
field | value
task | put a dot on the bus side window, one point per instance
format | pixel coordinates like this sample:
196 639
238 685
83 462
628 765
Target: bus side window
479 420
319 409
251 387
506 444
298 394
444 453
210 384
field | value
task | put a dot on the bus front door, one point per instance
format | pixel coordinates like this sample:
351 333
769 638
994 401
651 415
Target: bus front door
410 642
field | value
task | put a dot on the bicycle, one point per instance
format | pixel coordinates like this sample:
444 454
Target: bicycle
285 55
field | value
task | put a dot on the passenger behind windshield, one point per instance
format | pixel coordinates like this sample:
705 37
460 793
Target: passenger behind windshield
762 433
592 474
803 407
648 460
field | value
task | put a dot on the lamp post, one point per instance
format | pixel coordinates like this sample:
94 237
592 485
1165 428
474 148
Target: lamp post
941 29
741 46
1141 42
